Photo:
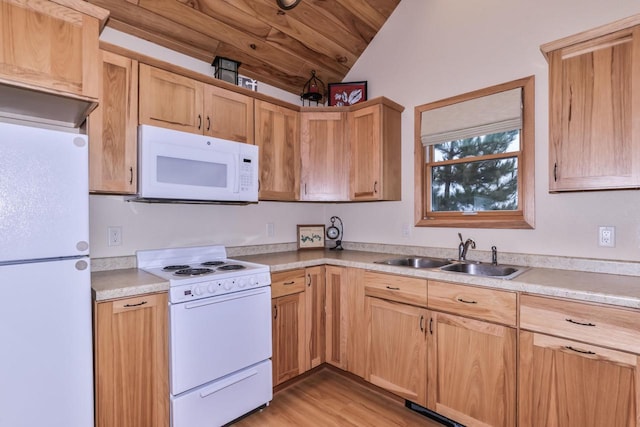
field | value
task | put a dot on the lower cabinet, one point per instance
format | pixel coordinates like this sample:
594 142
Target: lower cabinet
132 362
314 316
397 348
289 358
472 344
472 371
579 364
344 316
569 383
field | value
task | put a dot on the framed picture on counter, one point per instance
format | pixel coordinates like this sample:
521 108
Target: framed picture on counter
310 236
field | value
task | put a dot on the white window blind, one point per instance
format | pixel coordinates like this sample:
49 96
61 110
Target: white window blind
499 112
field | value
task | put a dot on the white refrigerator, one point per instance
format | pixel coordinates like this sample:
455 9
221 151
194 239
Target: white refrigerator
46 361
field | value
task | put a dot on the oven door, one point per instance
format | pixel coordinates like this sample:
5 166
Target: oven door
216 336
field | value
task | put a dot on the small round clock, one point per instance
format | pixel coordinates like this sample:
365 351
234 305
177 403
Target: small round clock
335 232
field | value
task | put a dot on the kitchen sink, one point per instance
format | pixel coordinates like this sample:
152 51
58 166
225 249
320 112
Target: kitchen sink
481 269
416 262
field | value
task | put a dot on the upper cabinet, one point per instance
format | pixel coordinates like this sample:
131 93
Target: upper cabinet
113 127
324 156
375 163
177 102
277 135
49 59
594 95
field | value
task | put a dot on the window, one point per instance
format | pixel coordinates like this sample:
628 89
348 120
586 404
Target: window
475 159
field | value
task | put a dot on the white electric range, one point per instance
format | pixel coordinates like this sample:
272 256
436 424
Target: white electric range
220 333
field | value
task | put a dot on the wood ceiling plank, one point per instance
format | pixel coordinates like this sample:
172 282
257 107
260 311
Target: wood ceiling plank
243 42
289 35
228 12
337 23
372 12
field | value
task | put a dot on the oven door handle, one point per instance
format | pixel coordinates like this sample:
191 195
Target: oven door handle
222 298
228 382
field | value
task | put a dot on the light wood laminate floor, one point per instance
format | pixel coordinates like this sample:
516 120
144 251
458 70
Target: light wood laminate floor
328 399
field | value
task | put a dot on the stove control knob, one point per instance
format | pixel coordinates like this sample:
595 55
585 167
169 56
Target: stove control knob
253 281
211 288
228 284
242 282
197 290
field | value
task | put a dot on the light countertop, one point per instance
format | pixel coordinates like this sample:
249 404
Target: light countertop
585 286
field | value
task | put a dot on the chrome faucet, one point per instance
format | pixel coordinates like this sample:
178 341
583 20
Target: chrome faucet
463 247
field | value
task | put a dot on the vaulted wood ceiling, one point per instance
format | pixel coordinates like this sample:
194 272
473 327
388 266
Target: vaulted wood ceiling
275 46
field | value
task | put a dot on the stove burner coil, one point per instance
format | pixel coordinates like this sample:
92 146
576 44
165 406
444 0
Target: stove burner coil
230 267
175 267
193 271
212 263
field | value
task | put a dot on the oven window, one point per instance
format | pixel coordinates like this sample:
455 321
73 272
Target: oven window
207 174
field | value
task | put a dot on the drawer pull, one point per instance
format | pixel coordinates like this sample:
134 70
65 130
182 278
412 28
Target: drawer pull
309 282
467 301
289 283
135 305
580 323
393 288
577 350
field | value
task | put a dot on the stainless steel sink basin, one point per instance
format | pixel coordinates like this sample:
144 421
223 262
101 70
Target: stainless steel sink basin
480 269
416 262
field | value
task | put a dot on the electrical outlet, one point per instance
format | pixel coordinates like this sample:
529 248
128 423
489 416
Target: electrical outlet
270 229
607 237
114 236
406 230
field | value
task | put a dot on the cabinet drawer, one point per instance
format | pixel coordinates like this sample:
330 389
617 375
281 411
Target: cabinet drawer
287 283
596 324
396 288
482 303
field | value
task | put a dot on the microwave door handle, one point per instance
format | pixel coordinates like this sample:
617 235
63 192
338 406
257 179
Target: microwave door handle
236 165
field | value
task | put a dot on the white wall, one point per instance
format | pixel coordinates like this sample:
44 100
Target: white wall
433 49
428 50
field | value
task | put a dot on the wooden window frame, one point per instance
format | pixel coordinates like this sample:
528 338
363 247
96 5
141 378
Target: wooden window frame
524 217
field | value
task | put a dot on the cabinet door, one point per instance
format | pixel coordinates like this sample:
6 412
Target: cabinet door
567 383
113 128
364 134
336 322
171 101
288 337
375 161
315 295
472 371
49 46
594 96
277 135
324 174
132 362
228 115
345 329
397 348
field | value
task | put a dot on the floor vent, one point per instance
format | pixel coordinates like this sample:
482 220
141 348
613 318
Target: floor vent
430 414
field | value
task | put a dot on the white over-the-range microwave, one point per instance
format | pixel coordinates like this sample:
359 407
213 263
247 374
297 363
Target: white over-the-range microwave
176 166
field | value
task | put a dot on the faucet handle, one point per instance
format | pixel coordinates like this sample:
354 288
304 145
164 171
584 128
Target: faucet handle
460 236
